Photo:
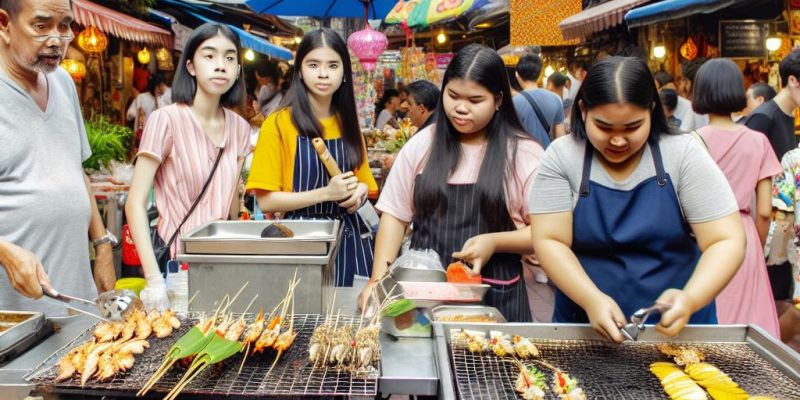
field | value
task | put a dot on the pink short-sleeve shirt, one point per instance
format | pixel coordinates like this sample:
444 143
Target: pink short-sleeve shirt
175 138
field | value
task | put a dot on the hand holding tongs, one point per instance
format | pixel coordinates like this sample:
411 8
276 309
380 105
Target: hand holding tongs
112 305
631 330
73 303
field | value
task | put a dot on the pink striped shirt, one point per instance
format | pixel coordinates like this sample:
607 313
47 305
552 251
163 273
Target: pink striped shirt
175 138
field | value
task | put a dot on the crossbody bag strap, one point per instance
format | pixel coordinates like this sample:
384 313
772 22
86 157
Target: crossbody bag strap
538 111
197 200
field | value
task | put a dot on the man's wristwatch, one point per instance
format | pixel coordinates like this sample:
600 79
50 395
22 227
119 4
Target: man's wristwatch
107 238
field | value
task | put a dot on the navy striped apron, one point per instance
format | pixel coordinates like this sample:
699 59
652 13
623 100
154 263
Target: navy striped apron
633 244
447 233
356 244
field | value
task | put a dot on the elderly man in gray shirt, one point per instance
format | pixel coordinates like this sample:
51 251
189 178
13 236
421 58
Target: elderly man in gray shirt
47 211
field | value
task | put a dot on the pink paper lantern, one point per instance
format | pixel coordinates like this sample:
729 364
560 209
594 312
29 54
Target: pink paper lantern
367 44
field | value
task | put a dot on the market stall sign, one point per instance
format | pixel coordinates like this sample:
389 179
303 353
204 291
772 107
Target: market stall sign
743 38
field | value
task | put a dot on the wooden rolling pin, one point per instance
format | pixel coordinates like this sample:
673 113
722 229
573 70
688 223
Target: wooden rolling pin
325 156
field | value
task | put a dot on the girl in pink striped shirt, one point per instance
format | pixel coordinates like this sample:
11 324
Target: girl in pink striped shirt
179 147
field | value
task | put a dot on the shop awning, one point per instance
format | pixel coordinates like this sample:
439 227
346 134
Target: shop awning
253 42
596 19
673 9
118 24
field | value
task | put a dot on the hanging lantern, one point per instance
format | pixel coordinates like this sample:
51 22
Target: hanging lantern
92 40
162 54
689 50
367 44
75 68
143 56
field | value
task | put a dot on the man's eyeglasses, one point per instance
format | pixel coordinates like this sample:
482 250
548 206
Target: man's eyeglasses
43 38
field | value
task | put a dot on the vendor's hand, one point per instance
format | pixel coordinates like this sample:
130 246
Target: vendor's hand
476 251
154 295
105 276
341 186
365 297
676 318
606 318
24 270
356 199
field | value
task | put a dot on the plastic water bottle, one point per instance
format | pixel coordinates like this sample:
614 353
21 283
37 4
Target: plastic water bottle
178 286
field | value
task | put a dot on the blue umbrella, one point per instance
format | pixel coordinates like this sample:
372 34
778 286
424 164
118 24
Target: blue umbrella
323 8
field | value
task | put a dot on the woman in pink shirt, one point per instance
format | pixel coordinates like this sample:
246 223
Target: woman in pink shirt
747 160
180 146
463 182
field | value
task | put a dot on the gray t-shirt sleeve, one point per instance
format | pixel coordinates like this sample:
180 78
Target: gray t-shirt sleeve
703 191
551 191
559 115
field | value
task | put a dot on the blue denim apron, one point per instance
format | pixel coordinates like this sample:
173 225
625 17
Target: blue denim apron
356 244
633 244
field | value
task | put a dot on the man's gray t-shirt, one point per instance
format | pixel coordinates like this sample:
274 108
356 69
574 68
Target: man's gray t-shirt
44 205
552 109
702 189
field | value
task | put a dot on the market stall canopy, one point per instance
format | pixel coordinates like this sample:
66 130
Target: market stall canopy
120 25
526 14
323 8
597 18
254 42
672 9
427 12
237 14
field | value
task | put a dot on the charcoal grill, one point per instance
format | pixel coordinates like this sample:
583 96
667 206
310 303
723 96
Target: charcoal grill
291 377
757 362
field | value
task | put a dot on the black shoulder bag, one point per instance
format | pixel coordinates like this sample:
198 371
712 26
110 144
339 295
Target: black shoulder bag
160 249
538 112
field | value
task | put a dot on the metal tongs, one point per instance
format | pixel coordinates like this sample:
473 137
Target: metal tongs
112 305
631 330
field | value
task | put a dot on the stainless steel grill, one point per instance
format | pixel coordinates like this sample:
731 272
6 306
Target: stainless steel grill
292 376
609 371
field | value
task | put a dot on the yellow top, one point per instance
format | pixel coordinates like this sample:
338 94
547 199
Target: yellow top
273 157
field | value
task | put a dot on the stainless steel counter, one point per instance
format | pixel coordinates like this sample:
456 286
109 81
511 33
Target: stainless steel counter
12 384
408 365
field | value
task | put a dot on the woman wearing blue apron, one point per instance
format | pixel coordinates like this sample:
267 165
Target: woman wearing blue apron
626 214
288 175
461 183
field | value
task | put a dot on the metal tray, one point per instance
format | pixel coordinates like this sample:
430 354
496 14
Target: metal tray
311 237
757 362
16 330
468 311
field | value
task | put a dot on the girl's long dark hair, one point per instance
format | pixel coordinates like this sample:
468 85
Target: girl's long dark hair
483 66
343 103
620 80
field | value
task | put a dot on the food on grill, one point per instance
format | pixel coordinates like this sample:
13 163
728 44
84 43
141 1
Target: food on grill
164 324
718 384
341 342
276 230
107 331
92 360
676 383
524 347
566 387
500 344
252 334
269 335
286 338
457 272
531 384
682 355
217 350
190 344
74 360
476 342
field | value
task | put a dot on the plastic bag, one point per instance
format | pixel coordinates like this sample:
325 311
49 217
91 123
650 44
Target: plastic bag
121 173
426 259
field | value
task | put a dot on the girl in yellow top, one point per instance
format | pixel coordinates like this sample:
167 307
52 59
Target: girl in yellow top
287 174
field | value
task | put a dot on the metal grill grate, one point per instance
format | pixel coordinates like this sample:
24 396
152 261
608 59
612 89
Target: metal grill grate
292 376
606 371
